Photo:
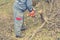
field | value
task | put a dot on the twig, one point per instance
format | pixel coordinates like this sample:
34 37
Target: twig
40 28
37 31
4 3
52 16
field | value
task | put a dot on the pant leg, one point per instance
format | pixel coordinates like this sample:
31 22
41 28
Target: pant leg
18 21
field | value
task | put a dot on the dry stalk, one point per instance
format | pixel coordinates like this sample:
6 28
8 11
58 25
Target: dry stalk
46 21
38 29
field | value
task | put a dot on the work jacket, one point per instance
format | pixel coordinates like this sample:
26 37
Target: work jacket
23 5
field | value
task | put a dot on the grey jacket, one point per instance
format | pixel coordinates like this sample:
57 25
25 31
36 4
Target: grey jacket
23 5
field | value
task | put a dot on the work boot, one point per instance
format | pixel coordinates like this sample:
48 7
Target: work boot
17 36
23 28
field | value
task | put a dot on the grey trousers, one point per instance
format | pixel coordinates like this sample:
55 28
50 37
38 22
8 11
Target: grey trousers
18 21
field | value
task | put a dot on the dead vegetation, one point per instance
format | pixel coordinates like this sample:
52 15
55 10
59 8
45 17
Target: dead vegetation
38 29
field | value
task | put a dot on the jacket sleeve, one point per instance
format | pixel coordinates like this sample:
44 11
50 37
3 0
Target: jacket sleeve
29 5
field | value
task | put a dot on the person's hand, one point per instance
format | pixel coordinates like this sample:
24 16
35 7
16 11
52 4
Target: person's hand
32 13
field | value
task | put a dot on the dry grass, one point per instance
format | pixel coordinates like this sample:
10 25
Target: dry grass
50 31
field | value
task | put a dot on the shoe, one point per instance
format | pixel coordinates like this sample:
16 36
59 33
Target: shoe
23 28
17 36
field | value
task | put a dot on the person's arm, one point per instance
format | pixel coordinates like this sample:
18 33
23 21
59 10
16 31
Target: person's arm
29 5
30 8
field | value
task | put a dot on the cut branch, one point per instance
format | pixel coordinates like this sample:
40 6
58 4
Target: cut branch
38 29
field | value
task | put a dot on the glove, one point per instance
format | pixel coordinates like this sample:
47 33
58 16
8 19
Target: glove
32 13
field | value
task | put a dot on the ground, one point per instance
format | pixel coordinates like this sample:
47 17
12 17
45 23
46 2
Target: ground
50 31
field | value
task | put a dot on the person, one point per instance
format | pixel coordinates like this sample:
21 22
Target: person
19 7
